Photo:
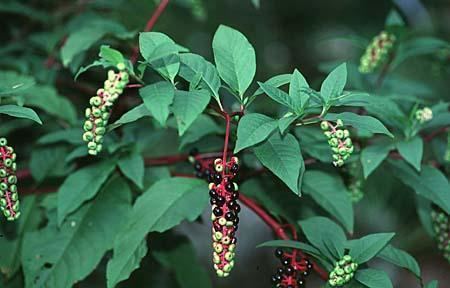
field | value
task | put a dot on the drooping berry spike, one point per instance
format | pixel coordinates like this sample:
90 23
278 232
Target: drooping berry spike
9 198
339 141
225 214
377 52
441 227
343 271
98 114
294 270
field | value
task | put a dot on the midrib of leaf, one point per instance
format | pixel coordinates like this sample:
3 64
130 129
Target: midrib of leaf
204 79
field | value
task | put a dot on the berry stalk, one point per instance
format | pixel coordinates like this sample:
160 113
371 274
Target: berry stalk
9 198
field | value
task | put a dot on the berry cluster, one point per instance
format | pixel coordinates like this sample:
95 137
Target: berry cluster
293 271
424 115
343 271
9 198
225 209
355 182
339 141
377 52
441 226
98 114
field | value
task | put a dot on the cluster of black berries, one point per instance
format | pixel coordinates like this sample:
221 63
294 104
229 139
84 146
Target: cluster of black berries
9 198
441 227
293 271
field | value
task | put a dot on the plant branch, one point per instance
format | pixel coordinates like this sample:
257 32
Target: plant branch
149 26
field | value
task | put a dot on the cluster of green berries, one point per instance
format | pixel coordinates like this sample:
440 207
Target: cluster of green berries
424 115
293 271
343 271
441 227
224 194
377 52
9 198
339 141
98 114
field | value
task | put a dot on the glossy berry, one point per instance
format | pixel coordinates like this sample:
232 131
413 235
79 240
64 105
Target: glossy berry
217 178
213 193
278 253
229 186
230 216
217 211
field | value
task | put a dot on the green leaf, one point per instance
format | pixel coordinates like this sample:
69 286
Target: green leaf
201 127
373 278
150 46
430 183
20 112
325 235
286 121
411 150
400 258
367 123
157 98
82 186
277 95
418 46
111 55
334 83
235 58
187 106
132 166
132 115
367 247
282 156
253 128
331 194
71 136
82 39
394 19
12 83
161 207
372 156
60 257
183 261
275 81
297 83
192 65
48 161
48 99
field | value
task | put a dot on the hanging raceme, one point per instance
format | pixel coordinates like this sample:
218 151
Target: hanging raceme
343 271
339 141
295 268
377 52
9 198
441 227
98 114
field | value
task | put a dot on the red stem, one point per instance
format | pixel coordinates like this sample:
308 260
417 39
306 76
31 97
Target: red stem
149 26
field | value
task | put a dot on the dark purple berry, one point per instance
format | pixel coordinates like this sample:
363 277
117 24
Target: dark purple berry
309 266
213 193
235 168
217 211
235 195
289 286
278 253
289 270
305 273
217 178
280 270
220 200
213 201
274 279
229 186
301 282
229 216
197 166
285 262
237 208
236 220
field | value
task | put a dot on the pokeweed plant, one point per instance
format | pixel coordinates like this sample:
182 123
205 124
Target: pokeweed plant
115 194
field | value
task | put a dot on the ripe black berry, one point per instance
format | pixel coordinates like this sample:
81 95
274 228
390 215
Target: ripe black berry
235 195
301 282
289 270
213 201
289 286
230 216
220 200
229 186
305 273
235 168
213 193
217 211
275 279
237 208
309 266
278 253
280 271
285 262
217 179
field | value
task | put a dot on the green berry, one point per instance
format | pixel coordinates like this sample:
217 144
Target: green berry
3 141
121 66
324 125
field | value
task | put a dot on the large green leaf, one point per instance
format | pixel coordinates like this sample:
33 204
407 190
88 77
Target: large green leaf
367 247
48 161
400 258
282 156
71 136
334 83
372 156
61 256
412 151
12 83
162 206
418 46
366 123
325 235
331 194
429 183
296 86
82 186
132 115
157 98
187 105
253 128
193 65
235 58
275 81
132 166
277 95
373 278
20 112
432 284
